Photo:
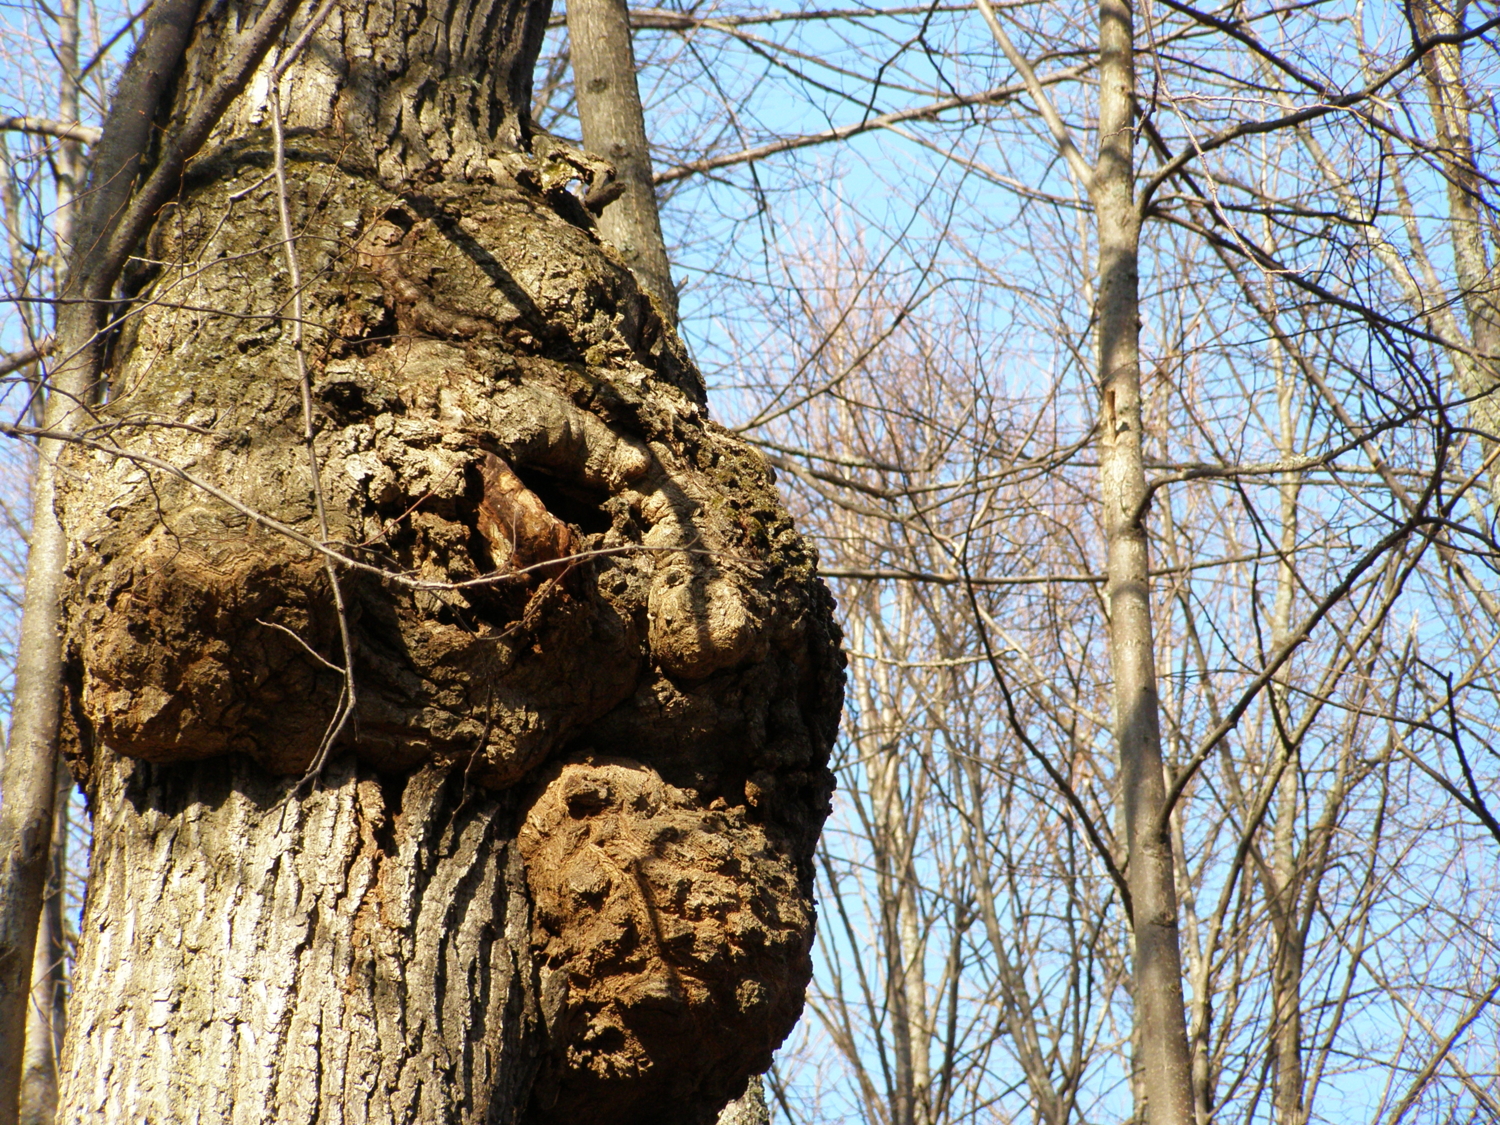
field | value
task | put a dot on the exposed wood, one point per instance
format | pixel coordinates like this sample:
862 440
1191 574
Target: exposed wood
553 566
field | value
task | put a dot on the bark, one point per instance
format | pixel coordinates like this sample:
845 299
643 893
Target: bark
1479 373
1285 891
560 863
27 812
614 125
1157 970
347 957
609 109
905 985
46 1014
750 1107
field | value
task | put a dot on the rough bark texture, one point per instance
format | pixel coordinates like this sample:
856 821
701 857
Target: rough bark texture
749 1108
355 956
407 89
676 931
570 829
26 816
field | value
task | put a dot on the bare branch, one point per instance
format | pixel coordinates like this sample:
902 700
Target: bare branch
63 130
996 96
1077 165
17 360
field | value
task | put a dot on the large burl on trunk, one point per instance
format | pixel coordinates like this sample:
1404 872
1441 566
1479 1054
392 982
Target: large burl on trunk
558 866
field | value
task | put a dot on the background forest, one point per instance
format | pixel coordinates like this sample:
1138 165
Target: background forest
883 226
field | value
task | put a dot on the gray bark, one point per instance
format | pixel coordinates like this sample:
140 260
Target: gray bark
46 1014
561 863
614 126
27 813
347 957
1478 374
1286 876
750 1107
1157 969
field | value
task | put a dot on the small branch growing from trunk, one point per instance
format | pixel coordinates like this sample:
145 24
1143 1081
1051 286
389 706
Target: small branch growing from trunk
348 698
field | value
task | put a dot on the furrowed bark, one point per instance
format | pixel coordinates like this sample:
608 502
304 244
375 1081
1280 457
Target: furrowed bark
119 158
1157 972
614 126
347 957
597 677
27 811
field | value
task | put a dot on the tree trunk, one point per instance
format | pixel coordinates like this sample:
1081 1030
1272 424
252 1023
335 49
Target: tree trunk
750 1107
351 956
1450 99
1285 893
614 126
559 863
46 1014
28 784
26 816
1157 970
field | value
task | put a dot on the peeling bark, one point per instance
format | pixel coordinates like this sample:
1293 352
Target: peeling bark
556 567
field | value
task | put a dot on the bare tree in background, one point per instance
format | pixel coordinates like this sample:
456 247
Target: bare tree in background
325 227
902 325
1296 449
614 127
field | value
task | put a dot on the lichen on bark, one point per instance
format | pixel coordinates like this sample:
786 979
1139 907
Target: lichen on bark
579 605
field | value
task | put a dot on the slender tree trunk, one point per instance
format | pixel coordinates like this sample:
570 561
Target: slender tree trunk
1290 953
1290 956
559 863
70 166
1478 374
1157 974
46 1015
883 766
614 126
1051 1107
26 816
